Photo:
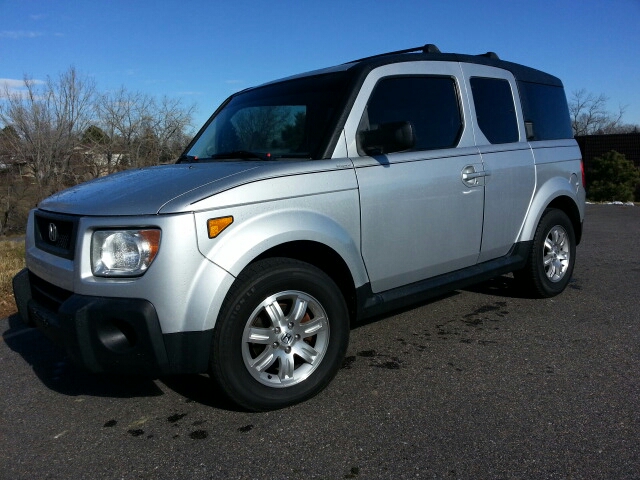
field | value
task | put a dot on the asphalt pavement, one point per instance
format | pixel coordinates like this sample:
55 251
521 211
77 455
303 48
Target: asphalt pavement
480 384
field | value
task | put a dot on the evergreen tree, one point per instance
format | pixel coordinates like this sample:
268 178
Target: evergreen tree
612 177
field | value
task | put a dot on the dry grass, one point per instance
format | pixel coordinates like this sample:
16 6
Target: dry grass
11 262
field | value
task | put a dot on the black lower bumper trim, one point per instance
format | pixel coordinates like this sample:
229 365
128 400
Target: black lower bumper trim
114 335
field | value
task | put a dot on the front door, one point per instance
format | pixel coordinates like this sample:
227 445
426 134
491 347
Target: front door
421 210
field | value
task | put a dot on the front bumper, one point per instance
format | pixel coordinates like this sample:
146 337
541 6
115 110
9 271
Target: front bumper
104 334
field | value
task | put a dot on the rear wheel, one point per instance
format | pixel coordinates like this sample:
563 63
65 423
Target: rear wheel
281 335
552 257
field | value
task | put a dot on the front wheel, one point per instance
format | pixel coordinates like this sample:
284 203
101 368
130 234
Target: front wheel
552 257
281 335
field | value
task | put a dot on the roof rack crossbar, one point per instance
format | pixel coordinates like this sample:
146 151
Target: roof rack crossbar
428 48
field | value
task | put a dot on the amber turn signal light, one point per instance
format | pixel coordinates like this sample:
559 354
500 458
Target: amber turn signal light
215 226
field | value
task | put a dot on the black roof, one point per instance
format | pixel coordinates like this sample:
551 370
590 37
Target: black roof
430 52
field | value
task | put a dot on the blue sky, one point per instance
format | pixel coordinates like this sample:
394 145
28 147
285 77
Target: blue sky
202 51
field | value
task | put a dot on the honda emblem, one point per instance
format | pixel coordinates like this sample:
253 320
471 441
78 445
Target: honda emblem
53 233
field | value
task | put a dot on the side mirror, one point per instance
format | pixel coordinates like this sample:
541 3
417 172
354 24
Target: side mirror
387 138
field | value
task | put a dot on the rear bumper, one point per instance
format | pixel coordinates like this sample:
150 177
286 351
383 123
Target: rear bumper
113 335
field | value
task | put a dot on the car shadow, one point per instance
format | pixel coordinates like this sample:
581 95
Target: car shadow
200 389
57 372
60 374
502 286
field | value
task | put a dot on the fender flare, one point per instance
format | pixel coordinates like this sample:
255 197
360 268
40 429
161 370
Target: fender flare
552 190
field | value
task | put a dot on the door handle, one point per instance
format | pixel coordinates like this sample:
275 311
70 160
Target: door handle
471 177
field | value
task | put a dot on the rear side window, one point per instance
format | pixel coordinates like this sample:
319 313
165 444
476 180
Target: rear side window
495 109
545 111
430 103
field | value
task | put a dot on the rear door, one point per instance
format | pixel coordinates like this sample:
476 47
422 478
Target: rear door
421 210
506 155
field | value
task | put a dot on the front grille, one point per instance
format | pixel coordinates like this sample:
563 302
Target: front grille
56 234
46 294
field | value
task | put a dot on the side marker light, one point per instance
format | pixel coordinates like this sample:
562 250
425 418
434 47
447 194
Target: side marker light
215 226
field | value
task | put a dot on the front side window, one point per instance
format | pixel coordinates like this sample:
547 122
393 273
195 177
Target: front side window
288 119
495 109
429 103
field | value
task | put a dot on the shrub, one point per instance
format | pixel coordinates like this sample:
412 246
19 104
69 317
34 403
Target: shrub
612 177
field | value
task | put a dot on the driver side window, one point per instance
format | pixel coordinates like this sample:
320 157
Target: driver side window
429 103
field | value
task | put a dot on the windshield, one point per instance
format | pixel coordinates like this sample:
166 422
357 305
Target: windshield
292 119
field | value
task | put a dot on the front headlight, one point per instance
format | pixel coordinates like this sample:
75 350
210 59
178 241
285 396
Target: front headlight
123 253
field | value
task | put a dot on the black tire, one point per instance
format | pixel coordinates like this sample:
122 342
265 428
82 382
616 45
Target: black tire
281 335
552 257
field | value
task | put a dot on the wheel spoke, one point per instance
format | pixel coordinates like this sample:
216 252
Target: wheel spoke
306 352
548 259
262 336
298 310
562 239
274 310
286 367
264 360
551 270
311 328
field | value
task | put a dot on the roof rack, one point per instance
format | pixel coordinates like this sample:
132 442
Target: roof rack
491 55
428 48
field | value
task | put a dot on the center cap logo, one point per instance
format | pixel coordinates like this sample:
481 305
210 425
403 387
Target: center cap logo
286 338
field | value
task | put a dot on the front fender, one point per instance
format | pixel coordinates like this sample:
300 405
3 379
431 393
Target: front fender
332 220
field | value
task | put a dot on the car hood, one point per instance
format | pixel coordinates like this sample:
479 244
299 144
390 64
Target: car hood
145 191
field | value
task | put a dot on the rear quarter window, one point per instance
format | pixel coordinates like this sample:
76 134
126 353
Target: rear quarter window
495 110
545 108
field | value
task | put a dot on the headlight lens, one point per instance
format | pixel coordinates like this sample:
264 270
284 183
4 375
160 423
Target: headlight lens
123 253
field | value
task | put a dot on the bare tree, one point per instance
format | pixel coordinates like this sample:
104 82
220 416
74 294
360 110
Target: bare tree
590 114
119 114
170 127
48 118
58 132
142 131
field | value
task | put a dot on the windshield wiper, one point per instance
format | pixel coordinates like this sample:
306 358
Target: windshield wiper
243 154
